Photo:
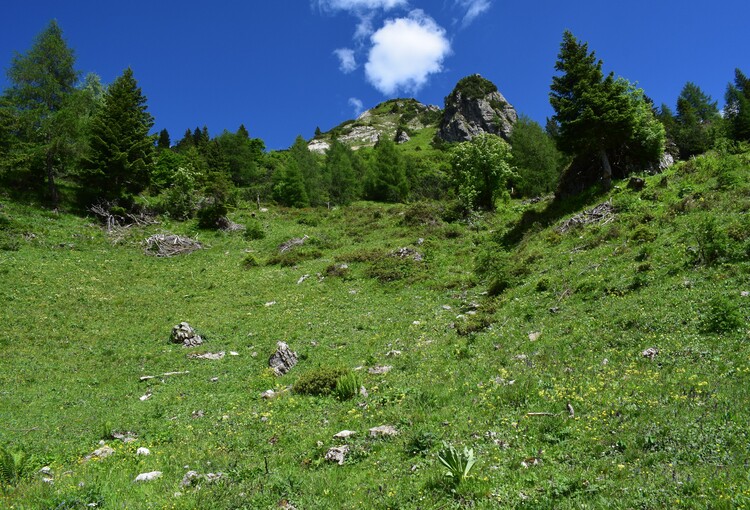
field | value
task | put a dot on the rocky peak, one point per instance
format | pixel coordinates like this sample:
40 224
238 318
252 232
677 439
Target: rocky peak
476 106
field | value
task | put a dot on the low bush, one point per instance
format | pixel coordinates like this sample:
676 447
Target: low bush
321 381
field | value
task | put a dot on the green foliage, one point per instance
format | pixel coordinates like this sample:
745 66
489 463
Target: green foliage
119 163
250 261
722 315
713 243
459 463
696 122
602 117
14 466
289 185
180 200
536 159
344 183
737 109
481 171
254 230
242 155
387 179
347 386
474 87
320 381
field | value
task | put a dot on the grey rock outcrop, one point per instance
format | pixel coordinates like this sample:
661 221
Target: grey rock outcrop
184 334
476 106
283 359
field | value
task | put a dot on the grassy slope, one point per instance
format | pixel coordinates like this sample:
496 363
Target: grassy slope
83 319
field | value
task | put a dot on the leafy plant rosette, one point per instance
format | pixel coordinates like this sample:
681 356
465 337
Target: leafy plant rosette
459 463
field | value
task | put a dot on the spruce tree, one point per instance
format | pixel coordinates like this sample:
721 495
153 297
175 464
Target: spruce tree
598 116
695 122
163 142
120 160
387 181
343 181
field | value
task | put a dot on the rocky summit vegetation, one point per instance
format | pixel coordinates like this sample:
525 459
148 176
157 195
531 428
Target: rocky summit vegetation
410 325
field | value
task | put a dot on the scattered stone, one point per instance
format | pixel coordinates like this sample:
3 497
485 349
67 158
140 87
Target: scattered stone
408 253
383 431
147 477
46 470
184 334
143 451
520 357
363 392
125 437
344 434
447 307
337 454
145 397
214 379
283 359
554 309
416 323
391 354
534 336
268 394
303 278
605 362
380 370
270 303
285 505
745 293
531 461
190 478
650 353
197 414
292 243
208 355
234 353
571 411
353 291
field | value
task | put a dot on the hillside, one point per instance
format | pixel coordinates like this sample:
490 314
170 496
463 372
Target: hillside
598 357
385 119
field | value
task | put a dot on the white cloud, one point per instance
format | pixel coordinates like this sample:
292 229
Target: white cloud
360 5
405 51
473 8
347 62
357 105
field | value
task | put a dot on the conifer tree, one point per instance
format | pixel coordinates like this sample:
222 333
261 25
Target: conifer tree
737 109
695 122
339 166
119 163
600 116
289 186
387 181
313 174
42 82
163 142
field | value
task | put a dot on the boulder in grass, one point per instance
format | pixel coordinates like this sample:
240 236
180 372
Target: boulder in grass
184 334
283 359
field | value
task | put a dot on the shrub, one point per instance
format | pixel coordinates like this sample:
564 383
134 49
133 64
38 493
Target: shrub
321 381
211 216
13 466
713 241
722 316
254 231
250 261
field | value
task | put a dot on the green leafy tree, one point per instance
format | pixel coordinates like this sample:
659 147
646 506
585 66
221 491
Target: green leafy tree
536 159
242 154
737 109
600 116
120 158
41 83
387 180
481 170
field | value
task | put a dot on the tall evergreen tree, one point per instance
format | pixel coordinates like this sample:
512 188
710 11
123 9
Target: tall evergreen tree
696 121
120 159
737 109
163 142
42 82
600 116
289 185
387 181
343 181
313 173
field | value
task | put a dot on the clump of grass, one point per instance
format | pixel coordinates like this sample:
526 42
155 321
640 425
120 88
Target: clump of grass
722 316
294 257
321 381
347 386
254 231
250 261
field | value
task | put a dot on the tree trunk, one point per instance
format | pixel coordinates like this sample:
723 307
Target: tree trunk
606 170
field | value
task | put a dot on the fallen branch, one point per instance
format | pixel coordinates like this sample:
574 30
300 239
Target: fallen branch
602 213
165 374
170 245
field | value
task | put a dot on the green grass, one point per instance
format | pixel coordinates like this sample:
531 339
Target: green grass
85 315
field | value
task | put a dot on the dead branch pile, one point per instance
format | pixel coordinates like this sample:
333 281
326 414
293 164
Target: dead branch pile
601 214
292 243
115 221
170 245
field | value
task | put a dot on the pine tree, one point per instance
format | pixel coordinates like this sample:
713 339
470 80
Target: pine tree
695 122
599 116
289 187
121 156
42 82
314 176
343 182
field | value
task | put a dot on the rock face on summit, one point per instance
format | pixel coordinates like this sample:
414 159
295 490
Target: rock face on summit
475 106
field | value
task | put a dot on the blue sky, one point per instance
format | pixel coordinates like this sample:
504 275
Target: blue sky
284 67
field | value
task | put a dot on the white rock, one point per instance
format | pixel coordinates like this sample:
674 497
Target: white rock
383 431
271 303
147 477
337 454
234 353
344 434
380 370
534 335
145 397
143 451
